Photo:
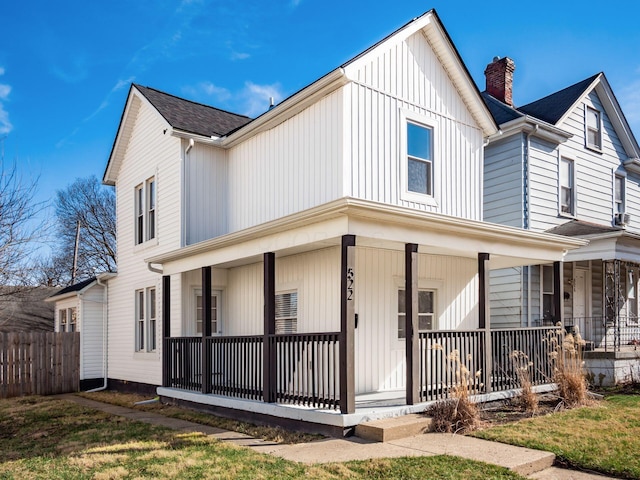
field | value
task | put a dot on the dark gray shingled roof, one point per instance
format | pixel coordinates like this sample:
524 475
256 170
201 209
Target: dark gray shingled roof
578 228
552 107
76 287
193 117
502 113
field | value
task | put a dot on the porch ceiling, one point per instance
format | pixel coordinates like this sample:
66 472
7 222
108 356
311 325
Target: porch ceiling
374 224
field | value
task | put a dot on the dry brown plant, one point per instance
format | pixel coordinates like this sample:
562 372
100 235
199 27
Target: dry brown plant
567 359
527 398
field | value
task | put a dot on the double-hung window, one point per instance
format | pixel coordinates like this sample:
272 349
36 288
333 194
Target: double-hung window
567 187
145 211
287 312
426 311
68 319
145 320
215 312
419 158
619 194
73 318
593 128
62 318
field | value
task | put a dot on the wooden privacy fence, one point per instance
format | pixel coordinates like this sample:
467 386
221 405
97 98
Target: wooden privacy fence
39 363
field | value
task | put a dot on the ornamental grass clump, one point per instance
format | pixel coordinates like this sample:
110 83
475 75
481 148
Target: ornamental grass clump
527 398
457 414
566 356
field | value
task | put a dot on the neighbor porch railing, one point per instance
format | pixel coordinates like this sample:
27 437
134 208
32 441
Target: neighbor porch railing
307 367
608 333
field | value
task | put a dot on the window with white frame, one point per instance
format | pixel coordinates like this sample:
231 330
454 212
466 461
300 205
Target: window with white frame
215 312
151 309
619 194
548 307
419 158
567 187
67 319
426 311
593 128
145 211
151 208
72 316
145 320
287 312
62 318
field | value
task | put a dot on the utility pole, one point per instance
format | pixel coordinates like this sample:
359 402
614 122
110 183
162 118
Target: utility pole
75 254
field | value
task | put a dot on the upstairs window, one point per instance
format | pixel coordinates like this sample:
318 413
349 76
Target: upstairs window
594 129
286 312
145 211
567 187
619 194
419 159
426 312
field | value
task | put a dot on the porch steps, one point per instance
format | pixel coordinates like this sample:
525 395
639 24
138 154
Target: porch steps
389 429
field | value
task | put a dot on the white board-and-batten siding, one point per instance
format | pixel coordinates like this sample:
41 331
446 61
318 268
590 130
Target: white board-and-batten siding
408 80
151 152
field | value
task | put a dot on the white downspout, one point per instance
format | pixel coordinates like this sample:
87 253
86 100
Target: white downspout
105 343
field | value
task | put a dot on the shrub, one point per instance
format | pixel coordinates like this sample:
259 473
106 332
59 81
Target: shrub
566 357
527 399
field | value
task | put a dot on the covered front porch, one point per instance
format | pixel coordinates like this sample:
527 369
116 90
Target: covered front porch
406 294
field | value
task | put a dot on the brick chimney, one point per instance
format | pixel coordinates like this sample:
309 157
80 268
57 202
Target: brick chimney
499 75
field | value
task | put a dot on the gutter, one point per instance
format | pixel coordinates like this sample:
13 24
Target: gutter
527 124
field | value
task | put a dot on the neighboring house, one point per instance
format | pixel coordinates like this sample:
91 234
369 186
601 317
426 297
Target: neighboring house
83 308
24 309
567 164
319 255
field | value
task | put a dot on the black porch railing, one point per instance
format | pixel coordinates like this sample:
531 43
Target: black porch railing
529 349
308 369
449 358
608 333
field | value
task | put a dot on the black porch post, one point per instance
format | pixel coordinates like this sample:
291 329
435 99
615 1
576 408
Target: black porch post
484 317
347 325
269 362
166 329
206 329
411 322
558 292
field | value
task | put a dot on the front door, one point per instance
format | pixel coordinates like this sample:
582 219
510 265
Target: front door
581 309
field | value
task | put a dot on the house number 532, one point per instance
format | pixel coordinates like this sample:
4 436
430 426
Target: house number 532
350 280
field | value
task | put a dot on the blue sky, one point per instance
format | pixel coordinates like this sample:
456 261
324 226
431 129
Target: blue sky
65 67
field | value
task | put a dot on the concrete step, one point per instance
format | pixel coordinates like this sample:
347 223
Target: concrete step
388 429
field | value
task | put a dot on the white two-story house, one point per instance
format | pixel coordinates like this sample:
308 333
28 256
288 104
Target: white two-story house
329 253
566 164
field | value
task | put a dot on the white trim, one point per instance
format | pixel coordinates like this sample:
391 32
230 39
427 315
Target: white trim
589 146
574 193
407 117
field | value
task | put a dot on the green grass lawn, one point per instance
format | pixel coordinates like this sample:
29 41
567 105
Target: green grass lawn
43 437
604 437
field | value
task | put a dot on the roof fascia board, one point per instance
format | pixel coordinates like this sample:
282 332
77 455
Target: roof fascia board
566 114
449 56
116 154
617 118
527 124
197 138
55 298
289 107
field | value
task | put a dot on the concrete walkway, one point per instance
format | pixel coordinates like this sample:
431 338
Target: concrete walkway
527 462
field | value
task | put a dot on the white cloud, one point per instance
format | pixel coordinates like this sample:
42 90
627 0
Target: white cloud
207 91
5 90
239 55
255 98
